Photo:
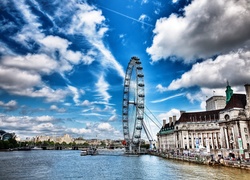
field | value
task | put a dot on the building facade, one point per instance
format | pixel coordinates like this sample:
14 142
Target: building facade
215 102
4 136
224 130
65 138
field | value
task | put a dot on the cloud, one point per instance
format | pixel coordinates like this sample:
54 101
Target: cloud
54 44
81 131
123 39
43 127
171 113
113 118
86 103
103 130
76 94
160 88
144 1
143 17
9 106
215 73
211 76
102 87
89 22
26 123
16 79
107 59
46 92
33 126
207 28
105 127
36 63
45 118
55 108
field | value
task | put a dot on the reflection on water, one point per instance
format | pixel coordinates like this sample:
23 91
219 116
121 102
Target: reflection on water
70 165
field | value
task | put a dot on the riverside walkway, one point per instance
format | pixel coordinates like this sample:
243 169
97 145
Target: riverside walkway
205 160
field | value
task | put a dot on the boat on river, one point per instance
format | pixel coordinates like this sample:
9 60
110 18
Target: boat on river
116 151
36 148
89 151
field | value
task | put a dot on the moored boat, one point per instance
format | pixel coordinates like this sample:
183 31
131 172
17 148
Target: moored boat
89 151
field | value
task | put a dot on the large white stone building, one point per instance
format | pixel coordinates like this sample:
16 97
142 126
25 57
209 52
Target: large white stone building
65 138
224 130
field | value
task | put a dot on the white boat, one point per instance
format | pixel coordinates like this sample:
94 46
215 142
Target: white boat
89 151
117 151
84 153
36 148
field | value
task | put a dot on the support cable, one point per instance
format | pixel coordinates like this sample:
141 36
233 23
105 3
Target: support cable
153 121
150 138
153 116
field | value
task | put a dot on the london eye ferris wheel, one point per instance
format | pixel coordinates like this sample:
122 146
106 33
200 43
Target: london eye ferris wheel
133 105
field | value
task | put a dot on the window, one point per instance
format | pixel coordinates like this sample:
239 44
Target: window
245 130
227 117
246 137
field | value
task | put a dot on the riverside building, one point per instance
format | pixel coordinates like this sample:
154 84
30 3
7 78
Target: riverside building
218 130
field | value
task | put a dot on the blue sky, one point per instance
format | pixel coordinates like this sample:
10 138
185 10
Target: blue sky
62 62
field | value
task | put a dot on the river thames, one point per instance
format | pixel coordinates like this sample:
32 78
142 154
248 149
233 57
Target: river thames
68 164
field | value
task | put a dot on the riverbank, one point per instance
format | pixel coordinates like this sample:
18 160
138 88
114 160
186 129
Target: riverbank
205 160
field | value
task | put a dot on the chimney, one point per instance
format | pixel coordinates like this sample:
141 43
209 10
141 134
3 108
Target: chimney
181 112
170 121
247 108
174 119
164 122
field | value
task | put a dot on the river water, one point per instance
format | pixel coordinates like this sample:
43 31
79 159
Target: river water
68 164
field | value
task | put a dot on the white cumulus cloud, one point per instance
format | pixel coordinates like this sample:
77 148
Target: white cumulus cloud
208 27
232 67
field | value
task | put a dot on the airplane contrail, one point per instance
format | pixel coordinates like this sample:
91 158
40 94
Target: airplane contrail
124 15
170 97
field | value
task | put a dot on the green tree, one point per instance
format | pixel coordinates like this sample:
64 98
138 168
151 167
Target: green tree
45 143
64 144
145 146
39 143
103 144
1 144
13 143
86 144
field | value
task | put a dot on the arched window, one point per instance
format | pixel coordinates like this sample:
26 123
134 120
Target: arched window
227 117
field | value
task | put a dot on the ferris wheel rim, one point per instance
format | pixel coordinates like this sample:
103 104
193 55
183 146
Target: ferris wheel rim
134 64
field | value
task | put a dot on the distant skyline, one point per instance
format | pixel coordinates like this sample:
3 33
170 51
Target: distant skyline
62 62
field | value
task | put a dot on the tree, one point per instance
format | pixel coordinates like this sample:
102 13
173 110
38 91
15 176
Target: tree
1 144
103 144
10 143
86 144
